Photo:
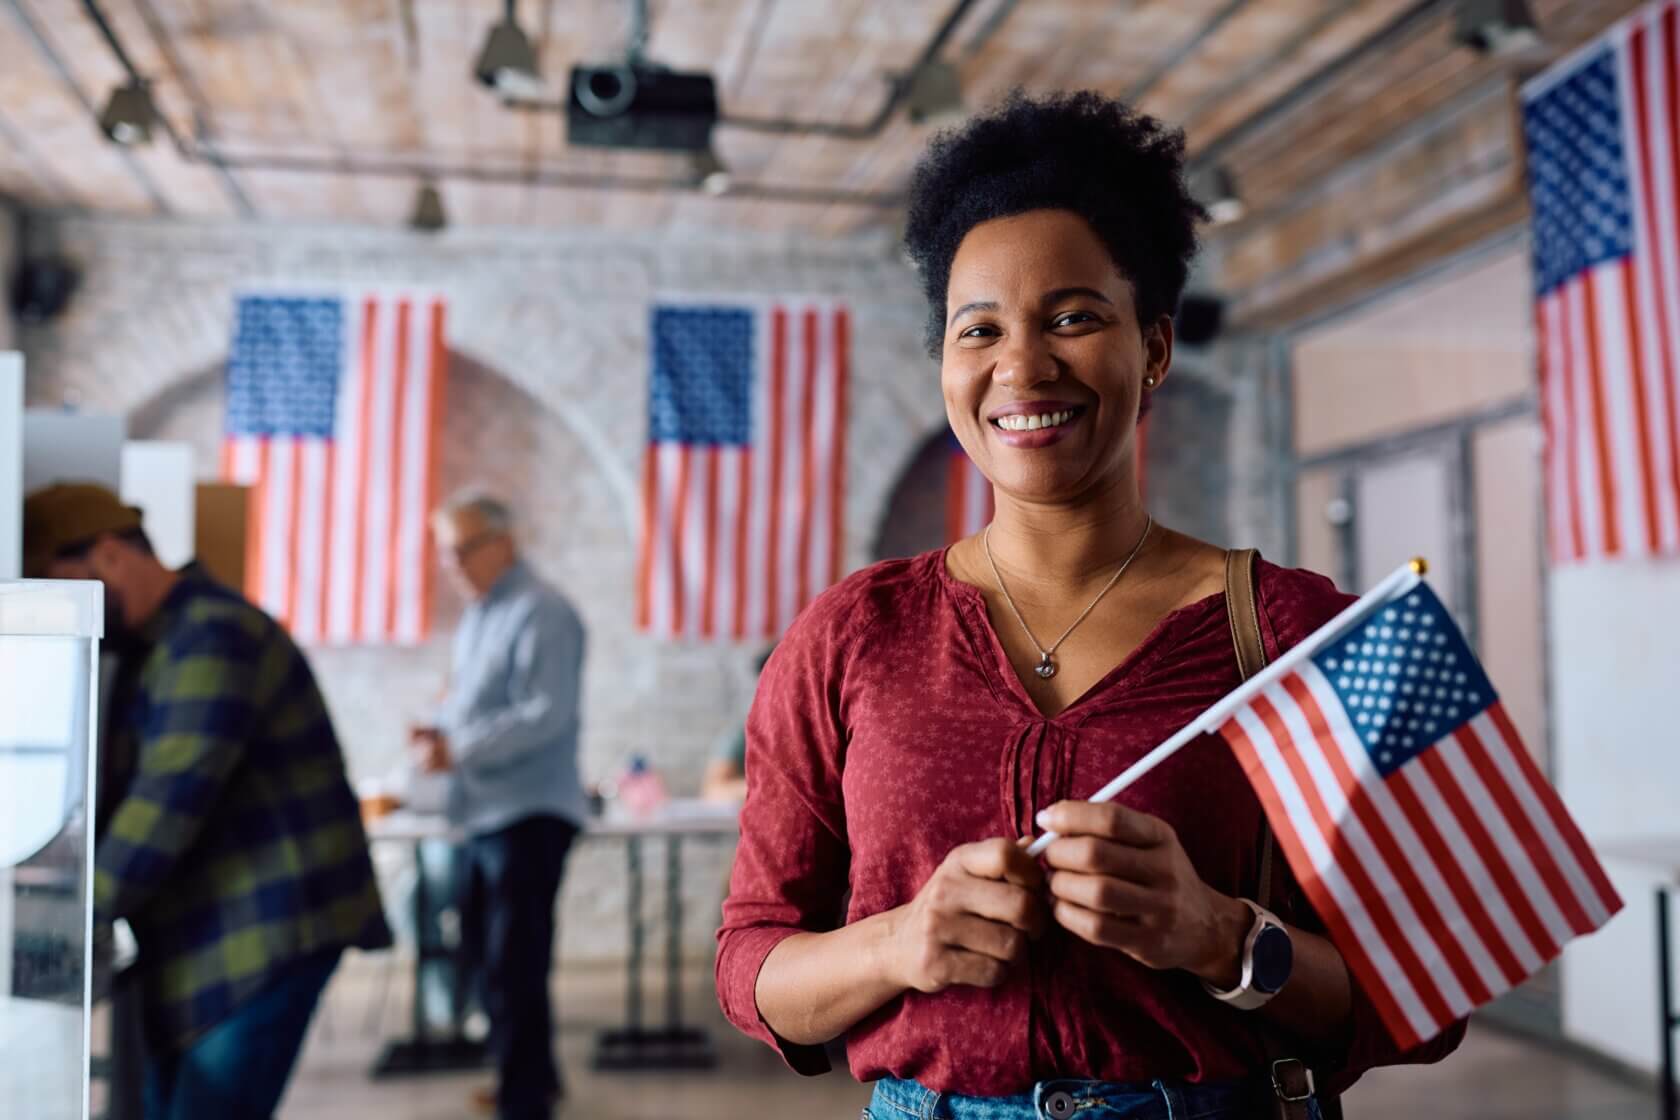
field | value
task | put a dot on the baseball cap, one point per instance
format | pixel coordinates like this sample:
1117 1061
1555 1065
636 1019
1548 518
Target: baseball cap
67 515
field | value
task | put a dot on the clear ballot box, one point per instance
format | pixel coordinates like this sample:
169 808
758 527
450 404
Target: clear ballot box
49 655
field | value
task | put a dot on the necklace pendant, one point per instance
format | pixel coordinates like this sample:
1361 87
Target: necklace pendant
1046 668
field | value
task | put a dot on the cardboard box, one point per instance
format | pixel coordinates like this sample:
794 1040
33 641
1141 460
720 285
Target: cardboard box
221 533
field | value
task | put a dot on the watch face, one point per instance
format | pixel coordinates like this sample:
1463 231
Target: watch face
1274 959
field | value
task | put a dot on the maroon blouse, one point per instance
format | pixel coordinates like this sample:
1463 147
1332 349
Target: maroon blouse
889 728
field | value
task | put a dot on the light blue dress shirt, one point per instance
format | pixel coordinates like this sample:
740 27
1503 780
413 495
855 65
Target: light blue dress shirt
512 716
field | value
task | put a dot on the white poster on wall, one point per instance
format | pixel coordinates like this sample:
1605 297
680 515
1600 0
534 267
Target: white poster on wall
11 466
158 477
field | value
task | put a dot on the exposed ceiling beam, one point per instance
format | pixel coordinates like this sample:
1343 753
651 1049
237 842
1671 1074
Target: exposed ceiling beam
18 141
899 86
1146 85
406 167
749 53
1257 66
201 107
1402 26
54 60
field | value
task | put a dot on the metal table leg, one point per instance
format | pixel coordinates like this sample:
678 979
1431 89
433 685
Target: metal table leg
672 1046
420 1053
1665 1007
673 933
638 933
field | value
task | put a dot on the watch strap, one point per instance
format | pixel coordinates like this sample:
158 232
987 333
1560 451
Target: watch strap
1245 996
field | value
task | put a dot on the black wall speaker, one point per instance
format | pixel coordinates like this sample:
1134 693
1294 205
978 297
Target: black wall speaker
1199 318
42 287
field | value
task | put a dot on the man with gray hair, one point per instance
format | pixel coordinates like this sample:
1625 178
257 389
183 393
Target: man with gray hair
507 736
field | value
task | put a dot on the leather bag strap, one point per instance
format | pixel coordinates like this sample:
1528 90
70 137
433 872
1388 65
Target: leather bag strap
1288 1076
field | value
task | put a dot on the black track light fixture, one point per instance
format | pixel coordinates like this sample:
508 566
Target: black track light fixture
1496 27
129 115
508 62
1216 188
428 216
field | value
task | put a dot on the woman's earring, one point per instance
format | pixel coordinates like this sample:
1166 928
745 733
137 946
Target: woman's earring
1149 382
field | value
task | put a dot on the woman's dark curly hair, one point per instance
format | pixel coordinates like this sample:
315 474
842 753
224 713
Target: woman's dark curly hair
1122 171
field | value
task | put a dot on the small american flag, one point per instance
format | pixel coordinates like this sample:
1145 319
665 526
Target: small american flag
1443 865
743 491
1604 177
332 410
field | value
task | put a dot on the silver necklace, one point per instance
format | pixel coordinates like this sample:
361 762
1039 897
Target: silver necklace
1046 667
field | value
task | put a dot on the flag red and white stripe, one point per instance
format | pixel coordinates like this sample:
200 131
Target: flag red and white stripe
338 541
1448 882
1609 333
968 496
737 538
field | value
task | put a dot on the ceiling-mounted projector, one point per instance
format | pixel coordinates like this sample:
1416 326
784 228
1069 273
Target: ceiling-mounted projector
629 106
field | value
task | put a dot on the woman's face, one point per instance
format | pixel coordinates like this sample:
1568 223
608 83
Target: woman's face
1044 359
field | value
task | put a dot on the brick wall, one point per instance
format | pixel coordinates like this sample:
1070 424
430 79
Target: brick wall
546 403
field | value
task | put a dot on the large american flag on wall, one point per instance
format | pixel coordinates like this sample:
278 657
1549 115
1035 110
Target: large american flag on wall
743 492
1443 865
1603 131
333 402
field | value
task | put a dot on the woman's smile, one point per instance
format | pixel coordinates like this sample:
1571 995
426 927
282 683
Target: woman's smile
1033 424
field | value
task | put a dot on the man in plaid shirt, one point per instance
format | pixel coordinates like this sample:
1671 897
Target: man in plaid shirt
228 836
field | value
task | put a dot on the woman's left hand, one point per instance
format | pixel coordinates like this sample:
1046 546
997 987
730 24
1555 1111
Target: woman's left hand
1120 879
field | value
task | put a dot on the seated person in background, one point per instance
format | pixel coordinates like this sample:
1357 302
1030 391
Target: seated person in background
507 736
231 842
725 780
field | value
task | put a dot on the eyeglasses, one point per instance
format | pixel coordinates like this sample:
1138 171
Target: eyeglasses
463 549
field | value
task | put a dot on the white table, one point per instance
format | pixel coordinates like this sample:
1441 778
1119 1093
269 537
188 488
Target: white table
1659 855
673 1045
43 1074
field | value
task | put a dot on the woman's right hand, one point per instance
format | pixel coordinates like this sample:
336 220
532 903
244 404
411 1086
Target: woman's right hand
971 920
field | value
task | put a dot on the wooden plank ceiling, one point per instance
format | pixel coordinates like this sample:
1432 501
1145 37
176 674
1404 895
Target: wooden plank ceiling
387 82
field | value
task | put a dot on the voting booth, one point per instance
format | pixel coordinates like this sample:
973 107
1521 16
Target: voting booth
49 652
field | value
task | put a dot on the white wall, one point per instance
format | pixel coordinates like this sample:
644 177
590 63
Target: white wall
1615 657
63 446
159 477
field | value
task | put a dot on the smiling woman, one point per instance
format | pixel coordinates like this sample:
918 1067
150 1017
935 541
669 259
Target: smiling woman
913 726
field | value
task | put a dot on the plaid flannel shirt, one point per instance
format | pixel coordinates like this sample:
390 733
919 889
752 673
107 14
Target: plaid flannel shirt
234 845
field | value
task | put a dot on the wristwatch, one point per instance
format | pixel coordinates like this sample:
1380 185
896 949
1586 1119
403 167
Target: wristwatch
1268 959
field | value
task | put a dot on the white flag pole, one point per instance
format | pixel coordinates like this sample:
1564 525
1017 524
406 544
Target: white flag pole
1398 583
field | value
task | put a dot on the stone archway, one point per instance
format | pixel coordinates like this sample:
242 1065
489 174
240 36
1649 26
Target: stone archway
915 517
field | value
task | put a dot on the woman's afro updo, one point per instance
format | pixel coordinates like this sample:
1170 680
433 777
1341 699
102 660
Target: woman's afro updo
1120 170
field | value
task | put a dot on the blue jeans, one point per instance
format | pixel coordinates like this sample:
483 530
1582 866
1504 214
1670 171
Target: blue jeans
239 1068
1071 1099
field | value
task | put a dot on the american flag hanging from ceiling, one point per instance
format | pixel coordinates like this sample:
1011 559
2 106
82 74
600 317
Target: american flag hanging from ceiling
1603 132
333 403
